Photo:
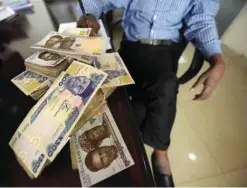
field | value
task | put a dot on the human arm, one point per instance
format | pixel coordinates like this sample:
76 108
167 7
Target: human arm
200 29
93 9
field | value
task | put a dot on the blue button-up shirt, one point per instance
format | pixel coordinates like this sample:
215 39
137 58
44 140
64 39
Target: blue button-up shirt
163 19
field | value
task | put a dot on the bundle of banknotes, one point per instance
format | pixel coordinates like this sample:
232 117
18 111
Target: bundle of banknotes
47 63
71 76
50 122
32 84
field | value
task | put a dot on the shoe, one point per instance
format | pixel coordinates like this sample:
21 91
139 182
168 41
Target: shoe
161 180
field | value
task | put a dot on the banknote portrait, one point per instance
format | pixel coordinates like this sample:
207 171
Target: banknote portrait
101 158
60 42
114 74
48 56
45 59
113 65
94 137
80 86
109 154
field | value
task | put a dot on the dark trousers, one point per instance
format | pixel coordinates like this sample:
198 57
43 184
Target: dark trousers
154 95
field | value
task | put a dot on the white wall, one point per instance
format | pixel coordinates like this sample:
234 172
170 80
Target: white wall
236 35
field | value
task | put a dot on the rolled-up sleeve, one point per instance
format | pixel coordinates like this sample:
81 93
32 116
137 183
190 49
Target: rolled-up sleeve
201 27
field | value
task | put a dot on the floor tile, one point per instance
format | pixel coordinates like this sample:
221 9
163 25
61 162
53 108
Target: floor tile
221 124
238 178
217 181
149 152
185 93
187 55
235 76
228 52
188 156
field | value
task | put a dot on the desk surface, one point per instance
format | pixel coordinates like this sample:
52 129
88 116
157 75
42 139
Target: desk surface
14 105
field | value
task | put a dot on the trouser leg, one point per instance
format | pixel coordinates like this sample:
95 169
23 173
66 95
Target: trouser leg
154 70
161 111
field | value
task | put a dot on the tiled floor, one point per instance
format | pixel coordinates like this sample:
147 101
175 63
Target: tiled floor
209 139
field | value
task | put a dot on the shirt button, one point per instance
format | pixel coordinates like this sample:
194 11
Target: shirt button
155 17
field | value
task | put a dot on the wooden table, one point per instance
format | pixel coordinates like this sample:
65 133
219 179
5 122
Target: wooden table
14 105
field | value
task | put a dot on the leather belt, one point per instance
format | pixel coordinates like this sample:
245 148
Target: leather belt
156 42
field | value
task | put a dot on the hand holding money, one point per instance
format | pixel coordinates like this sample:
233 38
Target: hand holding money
89 21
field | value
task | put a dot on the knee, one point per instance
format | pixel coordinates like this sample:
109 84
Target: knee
163 91
168 86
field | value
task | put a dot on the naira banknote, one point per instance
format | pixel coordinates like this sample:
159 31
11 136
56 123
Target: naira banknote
52 119
100 149
76 45
36 95
83 58
113 65
29 82
93 107
108 91
32 160
85 32
45 58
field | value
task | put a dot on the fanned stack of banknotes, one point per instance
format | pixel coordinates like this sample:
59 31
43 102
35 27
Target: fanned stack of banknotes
71 77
